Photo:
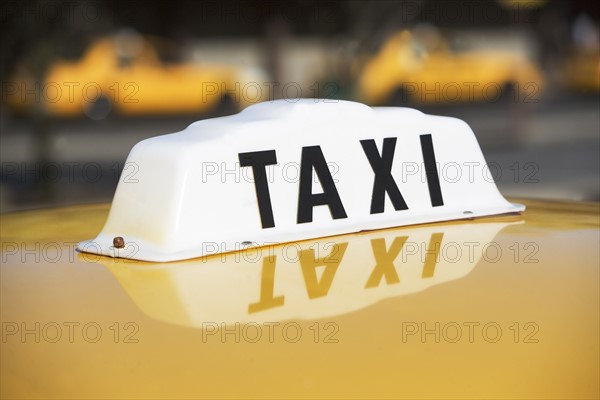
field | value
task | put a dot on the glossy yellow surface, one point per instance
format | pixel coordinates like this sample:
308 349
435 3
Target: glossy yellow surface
502 307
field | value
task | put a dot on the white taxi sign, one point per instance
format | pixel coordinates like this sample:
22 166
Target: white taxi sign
280 172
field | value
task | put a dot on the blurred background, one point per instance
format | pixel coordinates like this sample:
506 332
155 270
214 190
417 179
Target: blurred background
82 82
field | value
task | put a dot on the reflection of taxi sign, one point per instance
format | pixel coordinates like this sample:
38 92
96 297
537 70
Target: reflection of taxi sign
309 280
280 172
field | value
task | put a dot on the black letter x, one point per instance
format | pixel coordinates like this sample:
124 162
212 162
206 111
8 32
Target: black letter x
384 182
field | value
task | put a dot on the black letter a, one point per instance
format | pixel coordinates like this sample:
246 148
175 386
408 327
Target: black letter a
312 157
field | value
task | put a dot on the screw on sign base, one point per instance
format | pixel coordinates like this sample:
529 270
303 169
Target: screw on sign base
119 242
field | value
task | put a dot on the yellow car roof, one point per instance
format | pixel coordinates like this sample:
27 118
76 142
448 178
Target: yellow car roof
502 307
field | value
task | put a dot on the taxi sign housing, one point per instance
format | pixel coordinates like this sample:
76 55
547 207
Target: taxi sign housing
281 171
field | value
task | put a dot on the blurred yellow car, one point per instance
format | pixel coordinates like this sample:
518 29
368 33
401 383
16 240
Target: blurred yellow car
125 74
426 70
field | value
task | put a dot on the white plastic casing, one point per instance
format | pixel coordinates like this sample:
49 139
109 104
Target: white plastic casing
185 195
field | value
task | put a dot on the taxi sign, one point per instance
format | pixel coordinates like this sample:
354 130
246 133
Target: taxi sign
280 172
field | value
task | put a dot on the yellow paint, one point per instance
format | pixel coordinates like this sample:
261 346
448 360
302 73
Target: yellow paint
379 313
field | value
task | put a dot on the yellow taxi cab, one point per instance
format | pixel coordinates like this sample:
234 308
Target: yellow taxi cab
124 74
492 302
425 69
